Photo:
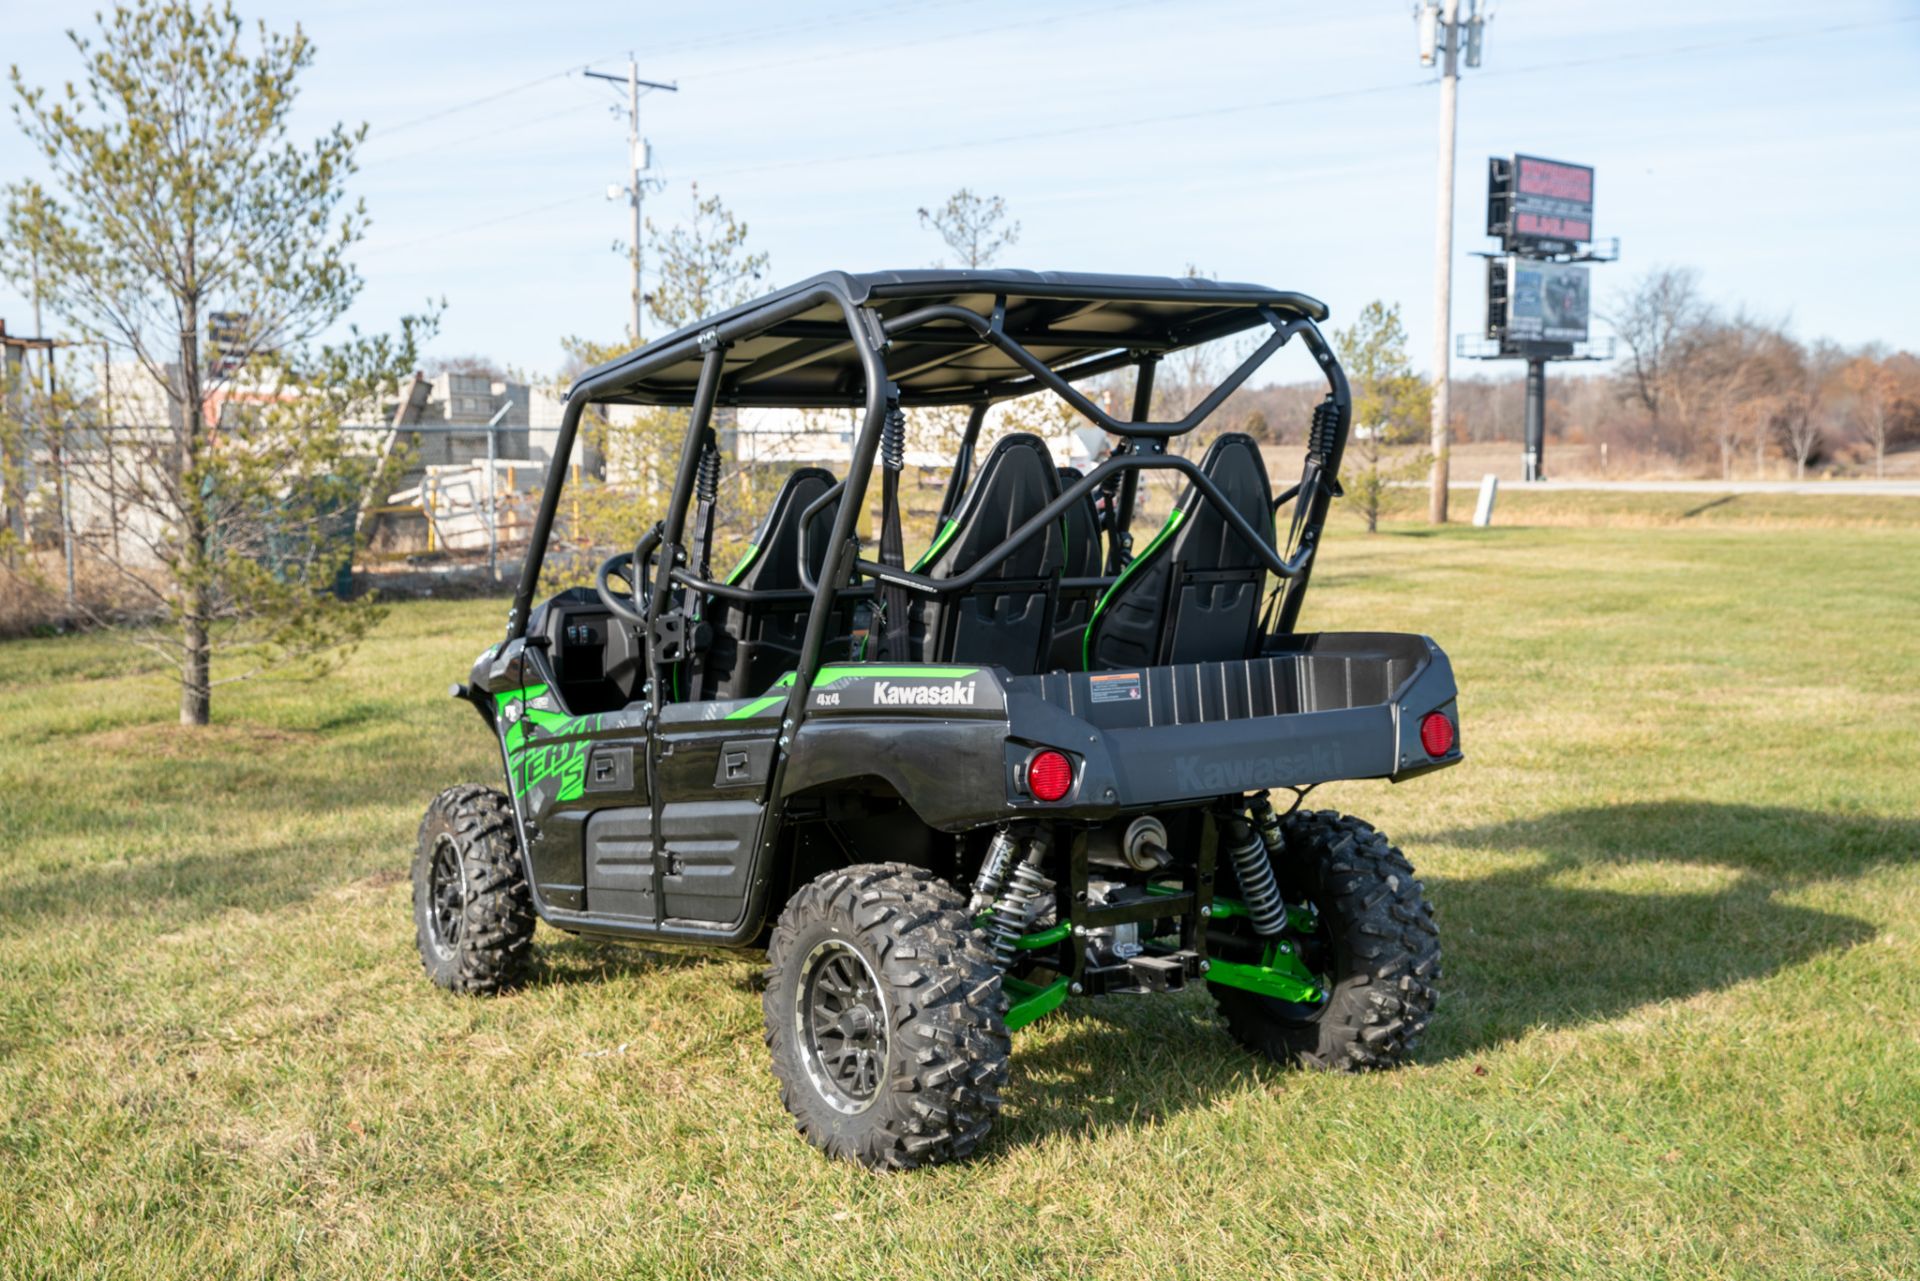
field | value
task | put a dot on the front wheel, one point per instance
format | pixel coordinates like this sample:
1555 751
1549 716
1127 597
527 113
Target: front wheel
1375 946
472 911
884 1016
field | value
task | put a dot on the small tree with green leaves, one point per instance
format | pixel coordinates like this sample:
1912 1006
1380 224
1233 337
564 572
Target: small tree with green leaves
702 265
182 221
1390 409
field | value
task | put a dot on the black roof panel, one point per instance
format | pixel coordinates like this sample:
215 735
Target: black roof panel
1063 318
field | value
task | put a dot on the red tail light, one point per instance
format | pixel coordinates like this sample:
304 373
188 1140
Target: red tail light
1049 775
1436 734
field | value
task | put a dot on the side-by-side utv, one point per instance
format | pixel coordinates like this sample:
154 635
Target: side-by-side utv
1036 762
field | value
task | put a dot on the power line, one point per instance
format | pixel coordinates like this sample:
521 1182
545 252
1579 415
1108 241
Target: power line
1179 117
439 236
732 35
483 136
481 101
1104 126
864 51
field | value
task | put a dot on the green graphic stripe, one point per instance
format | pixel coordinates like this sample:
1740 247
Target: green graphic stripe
1166 531
940 540
529 764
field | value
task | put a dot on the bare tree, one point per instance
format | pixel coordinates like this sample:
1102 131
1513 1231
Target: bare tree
1652 318
975 228
1807 408
1871 396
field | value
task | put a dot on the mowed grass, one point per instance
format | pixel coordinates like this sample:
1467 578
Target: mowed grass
1678 881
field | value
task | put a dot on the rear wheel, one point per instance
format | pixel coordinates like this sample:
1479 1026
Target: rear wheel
1375 946
884 1018
472 911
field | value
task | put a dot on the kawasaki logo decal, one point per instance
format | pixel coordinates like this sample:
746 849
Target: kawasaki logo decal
1198 776
892 694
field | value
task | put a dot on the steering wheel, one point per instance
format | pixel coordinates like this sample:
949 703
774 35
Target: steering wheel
630 608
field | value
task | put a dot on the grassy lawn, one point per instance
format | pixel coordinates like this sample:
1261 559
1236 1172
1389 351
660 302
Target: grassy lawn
1679 888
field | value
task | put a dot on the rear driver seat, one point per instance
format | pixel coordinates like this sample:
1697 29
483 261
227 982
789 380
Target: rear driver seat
1003 619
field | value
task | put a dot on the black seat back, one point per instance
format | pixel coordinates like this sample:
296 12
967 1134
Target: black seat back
757 642
1193 593
1003 619
1085 558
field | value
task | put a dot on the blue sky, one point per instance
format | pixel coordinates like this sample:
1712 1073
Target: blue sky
1770 145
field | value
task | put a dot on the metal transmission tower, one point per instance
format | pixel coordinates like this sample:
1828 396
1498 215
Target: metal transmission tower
639 158
1442 33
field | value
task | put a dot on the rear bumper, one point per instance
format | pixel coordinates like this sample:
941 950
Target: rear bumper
1312 710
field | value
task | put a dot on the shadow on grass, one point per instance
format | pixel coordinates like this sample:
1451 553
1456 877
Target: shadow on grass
573 958
1536 947
1525 949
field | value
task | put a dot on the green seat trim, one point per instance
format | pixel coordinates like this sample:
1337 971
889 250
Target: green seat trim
1174 519
940 540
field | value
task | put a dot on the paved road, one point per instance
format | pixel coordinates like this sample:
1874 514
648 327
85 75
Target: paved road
1823 488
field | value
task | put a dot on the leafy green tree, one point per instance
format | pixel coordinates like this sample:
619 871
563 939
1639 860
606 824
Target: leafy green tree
182 221
1391 406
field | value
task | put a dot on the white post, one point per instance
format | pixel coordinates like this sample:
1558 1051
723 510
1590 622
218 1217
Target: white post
1489 490
493 505
1449 53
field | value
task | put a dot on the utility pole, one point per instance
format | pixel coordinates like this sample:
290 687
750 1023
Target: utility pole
637 165
1441 30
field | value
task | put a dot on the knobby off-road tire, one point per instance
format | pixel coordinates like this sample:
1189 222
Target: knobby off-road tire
884 1018
472 911
1378 946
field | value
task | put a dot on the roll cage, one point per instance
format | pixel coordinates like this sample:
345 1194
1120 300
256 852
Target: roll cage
885 341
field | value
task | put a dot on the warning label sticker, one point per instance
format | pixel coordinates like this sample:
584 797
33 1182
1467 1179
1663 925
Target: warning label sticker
1115 687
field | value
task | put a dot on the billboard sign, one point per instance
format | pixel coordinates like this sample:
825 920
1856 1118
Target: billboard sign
1539 204
1546 301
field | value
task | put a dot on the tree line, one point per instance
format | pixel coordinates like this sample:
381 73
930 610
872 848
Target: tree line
1700 383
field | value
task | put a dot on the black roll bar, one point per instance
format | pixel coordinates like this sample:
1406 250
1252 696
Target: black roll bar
869 335
726 332
1120 535
962 465
1285 567
994 332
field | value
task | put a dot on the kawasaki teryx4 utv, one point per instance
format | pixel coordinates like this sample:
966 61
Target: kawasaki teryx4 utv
945 798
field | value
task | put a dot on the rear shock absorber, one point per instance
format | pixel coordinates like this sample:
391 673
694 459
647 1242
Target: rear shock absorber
1259 892
993 873
1018 904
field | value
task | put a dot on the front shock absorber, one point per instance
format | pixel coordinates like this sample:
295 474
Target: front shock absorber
1019 904
1259 892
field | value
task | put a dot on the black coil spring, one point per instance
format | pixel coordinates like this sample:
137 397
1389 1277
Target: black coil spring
1325 431
893 440
706 481
1258 889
